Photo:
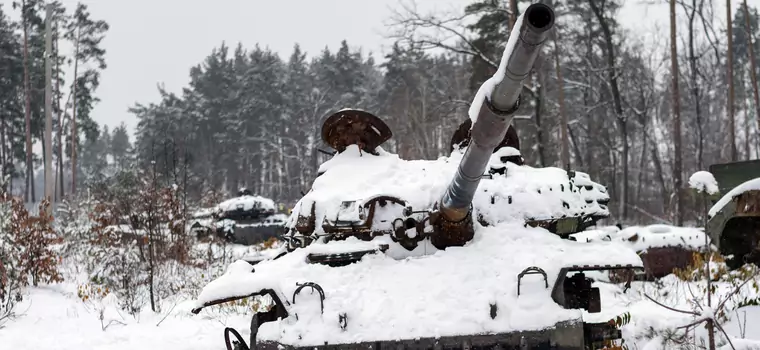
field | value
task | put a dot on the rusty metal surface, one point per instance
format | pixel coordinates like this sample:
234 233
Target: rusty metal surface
447 233
748 203
660 262
306 224
461 137
563 336
352 126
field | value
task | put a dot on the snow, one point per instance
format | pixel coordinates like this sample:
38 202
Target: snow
487 88
56 318
496 162
640 238
522 193
442 294
507 152
203 213
246 202
743 317
750 185
704 181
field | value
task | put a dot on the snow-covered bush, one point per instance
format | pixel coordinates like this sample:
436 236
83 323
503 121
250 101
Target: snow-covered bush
712 294
140 239
26 251
10 271
74 222
35 237
101 300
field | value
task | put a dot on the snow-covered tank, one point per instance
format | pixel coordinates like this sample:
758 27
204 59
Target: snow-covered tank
734 220
248 218
466 251
662 248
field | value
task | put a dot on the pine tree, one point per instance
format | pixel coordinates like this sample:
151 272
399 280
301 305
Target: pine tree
86 35
120 145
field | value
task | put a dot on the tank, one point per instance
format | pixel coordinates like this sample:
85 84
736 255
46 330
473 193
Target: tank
466 251
734 220
662 248
246 219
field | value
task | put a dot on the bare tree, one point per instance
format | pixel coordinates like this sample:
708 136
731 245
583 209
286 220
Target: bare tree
598 7
27 107
74 138
753 71
730 82
676 103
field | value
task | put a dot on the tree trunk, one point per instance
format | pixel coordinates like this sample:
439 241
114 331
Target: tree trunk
642 161
612 76
576 148
74 141
693 82
513 12
27 110
150 228
730 82
61 192
753 71
3 153
747 122
676 102
564 146
539 128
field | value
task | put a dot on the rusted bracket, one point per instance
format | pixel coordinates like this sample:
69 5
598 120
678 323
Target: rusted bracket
533 270
313 286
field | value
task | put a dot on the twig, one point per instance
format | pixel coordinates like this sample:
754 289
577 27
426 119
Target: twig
698 321
736 290
725 334
670 308
111 322
642 211
167 314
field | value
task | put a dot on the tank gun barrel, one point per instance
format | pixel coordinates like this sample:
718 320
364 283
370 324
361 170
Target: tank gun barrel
495 115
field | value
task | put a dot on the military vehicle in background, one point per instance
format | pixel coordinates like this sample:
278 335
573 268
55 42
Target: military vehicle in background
246 219
662 248
734 220
463 252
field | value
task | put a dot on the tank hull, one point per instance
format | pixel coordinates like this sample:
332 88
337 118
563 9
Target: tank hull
574 335
251 235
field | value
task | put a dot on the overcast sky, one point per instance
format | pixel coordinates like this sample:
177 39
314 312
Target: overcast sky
152 41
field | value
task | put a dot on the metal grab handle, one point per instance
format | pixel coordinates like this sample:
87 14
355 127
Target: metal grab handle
313 286
533 270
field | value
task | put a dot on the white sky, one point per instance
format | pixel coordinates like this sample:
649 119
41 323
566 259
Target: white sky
157 41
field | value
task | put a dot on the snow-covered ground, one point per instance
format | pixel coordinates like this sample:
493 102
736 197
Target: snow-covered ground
54 317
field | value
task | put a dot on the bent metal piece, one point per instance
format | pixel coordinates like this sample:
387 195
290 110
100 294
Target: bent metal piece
454 224
355 127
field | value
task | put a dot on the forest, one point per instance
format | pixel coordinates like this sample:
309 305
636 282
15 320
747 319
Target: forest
251 118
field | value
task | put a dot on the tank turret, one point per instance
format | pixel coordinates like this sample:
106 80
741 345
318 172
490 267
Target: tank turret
245 219
463 251
491 115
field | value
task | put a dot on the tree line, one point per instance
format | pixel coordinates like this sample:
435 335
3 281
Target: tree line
76 77
252 119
